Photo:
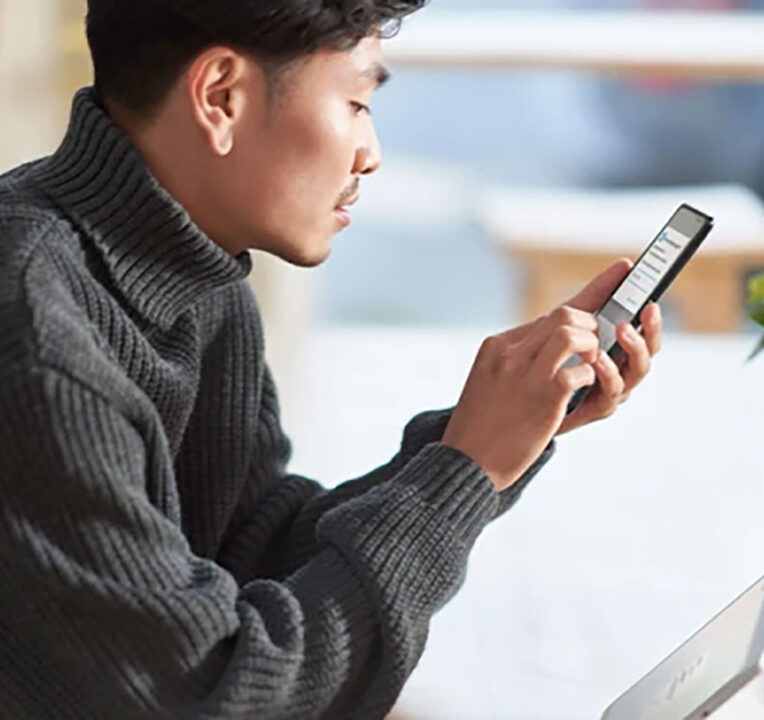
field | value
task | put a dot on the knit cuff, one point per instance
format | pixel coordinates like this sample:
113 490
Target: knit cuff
412 534
425 428
454 487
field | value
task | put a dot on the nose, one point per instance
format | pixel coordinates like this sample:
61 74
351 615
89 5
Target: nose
369 154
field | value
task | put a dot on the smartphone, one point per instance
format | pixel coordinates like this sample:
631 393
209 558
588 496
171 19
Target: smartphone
650 277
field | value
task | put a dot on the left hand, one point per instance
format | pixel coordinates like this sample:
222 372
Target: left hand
615 380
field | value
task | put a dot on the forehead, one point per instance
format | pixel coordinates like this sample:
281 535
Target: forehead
360 65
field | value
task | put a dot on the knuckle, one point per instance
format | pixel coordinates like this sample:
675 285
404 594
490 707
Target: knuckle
490 345
507 362
564 315
565 336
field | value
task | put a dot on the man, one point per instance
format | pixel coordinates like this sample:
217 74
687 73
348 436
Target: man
157 558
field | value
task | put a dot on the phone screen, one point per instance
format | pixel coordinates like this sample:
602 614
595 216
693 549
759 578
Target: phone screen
650 271
648 279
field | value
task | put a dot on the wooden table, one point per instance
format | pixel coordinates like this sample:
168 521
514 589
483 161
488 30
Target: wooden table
562 238
708 296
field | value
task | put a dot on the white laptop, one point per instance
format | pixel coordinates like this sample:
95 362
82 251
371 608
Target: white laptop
715 674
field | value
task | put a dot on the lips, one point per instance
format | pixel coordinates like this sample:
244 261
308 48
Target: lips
342 213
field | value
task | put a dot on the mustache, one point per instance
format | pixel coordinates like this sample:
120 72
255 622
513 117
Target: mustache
349 194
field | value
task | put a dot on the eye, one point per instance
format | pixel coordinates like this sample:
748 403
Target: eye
360 107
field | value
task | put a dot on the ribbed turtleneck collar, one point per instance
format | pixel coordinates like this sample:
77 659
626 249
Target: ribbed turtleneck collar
158 257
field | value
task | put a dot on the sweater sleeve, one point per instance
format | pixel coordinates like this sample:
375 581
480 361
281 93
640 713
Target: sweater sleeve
276 535
106 612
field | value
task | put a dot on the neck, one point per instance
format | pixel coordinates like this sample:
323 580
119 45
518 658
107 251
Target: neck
171 149
160 261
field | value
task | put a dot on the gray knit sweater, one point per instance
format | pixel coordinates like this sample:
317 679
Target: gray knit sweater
157 559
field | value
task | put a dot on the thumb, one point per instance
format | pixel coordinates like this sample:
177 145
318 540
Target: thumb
594 295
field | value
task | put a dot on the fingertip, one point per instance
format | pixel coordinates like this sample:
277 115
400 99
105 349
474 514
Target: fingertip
651 314
591 379
605 361
628 333
592 357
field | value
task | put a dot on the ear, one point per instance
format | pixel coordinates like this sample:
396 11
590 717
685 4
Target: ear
217 92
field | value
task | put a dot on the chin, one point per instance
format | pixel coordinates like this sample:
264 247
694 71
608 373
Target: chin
307 254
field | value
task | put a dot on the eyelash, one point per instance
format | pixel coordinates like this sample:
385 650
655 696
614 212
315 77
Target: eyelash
359 108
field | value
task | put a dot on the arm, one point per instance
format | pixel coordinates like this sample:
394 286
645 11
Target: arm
303 502
105 606
295 505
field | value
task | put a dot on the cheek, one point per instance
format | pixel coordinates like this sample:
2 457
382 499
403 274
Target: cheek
315 158
290 173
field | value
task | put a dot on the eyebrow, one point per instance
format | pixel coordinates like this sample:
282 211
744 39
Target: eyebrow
378 73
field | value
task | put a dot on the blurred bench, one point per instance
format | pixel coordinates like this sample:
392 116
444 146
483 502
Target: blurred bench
563 238
708 45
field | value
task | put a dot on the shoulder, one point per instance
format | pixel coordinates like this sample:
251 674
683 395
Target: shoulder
39 263
27 220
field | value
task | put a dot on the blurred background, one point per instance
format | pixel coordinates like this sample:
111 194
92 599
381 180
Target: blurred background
527 145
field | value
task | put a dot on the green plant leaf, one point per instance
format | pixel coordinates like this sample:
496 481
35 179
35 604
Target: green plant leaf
758 349
756 299
756 309
756 313
756 290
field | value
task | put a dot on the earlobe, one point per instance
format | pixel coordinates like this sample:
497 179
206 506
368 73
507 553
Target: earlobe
225 143
224 117
218 128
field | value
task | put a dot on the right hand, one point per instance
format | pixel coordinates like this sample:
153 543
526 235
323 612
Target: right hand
517 393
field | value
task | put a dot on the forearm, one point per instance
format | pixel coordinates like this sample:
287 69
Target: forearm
297 504
276 535
98 583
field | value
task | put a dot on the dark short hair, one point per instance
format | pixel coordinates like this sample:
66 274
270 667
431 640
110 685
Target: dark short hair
141 47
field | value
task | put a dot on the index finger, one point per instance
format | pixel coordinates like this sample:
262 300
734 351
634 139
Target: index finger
563 316
595 294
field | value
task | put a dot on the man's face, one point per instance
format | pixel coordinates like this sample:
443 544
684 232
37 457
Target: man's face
298 158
